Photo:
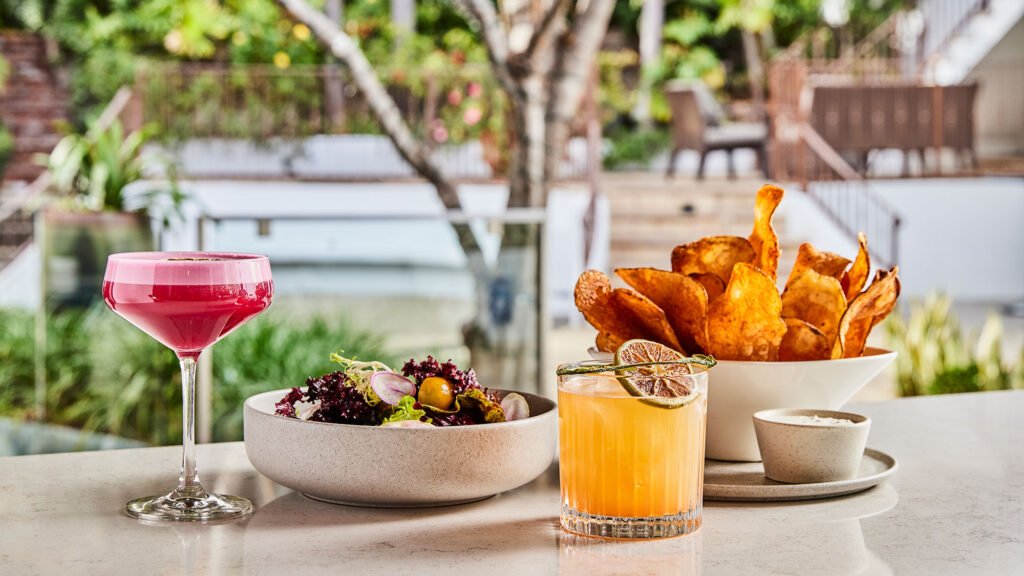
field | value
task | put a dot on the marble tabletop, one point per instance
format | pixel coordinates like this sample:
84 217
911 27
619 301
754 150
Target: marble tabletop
956 506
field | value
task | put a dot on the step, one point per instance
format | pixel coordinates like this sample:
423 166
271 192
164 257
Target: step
37 143
677 230
737 207
41 100
662 259
22 171
617 182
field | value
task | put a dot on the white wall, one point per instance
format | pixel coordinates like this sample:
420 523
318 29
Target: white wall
964 237
960 236
999 111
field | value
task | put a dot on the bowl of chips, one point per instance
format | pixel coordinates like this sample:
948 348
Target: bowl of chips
802 348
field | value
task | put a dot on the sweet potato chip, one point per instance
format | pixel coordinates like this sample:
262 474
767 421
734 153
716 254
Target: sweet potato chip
763 239
816 299
810 258
620 313
607 343
712 255
854 278
744 322
683 299
865 311
803 342
713 285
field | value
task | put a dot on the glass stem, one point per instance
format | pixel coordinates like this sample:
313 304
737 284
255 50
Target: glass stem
188 482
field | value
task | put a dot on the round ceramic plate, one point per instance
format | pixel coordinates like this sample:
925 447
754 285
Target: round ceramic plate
745 481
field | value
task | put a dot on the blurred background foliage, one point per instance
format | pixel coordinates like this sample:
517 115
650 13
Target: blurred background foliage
105 42
935 356
104 375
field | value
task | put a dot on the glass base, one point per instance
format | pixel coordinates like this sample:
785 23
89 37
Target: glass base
189 509
627 528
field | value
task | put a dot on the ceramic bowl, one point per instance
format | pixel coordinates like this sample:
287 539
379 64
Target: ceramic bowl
737 389
399 467
803 446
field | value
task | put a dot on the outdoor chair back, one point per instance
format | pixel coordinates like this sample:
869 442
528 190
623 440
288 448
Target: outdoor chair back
698 124
687 120
858 119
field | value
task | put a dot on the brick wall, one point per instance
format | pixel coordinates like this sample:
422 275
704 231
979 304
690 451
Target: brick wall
32 101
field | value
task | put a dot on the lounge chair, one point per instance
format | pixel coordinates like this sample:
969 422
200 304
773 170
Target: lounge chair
698 123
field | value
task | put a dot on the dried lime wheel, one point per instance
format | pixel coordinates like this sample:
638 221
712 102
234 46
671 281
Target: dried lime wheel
657 374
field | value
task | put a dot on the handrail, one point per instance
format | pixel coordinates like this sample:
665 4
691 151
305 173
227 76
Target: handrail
826 153
850 202
868 45
944 21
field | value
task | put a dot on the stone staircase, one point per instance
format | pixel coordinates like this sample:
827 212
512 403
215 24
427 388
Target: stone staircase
30 104
963 33
651 215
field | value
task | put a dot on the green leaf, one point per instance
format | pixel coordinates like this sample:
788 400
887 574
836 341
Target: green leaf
689 29
406 410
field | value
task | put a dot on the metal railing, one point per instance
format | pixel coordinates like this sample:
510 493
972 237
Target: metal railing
849 200
799 152
944 20
461 114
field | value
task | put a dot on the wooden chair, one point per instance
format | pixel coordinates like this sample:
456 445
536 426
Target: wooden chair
698 124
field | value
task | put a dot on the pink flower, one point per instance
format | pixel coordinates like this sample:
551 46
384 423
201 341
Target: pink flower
472 116
455 97
440 134
474 90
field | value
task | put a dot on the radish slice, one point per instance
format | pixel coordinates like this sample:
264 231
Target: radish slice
390 387
406 424
515 407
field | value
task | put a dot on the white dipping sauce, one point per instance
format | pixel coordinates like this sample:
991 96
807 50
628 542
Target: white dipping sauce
814 420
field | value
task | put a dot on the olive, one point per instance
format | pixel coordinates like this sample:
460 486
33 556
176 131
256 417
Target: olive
436 392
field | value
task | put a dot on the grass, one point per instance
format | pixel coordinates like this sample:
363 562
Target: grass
105 375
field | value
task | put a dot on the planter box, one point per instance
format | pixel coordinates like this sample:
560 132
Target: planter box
75 249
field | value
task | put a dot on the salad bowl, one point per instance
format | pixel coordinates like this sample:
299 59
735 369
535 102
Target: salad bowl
398 467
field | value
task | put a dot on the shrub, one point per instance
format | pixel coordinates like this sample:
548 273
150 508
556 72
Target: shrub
935 357
105 375
636 147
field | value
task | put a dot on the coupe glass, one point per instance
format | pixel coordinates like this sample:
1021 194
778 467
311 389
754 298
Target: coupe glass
188 301
629 468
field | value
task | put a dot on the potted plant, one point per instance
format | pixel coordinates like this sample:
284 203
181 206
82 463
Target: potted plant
93 212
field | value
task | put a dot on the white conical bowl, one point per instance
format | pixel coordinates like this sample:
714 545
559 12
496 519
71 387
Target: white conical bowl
738 389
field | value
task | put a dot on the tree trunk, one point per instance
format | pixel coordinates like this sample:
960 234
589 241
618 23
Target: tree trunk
527 182
385 111
567 80
755 71
652 20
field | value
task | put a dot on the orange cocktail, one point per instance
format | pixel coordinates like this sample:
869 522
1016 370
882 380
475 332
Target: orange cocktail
629 468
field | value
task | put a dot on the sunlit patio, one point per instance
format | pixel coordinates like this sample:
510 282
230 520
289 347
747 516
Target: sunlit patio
723 287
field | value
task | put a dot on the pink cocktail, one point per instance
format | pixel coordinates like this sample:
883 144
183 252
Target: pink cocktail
187 301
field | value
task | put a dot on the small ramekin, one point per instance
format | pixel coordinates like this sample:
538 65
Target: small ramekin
800 453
